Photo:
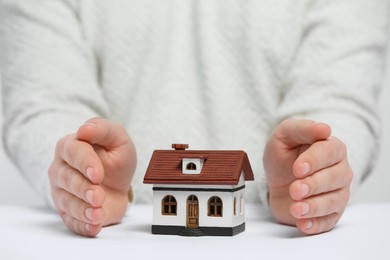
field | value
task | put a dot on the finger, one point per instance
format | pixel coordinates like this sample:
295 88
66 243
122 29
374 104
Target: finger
81 228
323 181
81 156
293 132
74 182
76 208
321 205
318 156
318 225
102 132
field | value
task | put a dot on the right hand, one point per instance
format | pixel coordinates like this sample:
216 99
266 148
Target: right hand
90 176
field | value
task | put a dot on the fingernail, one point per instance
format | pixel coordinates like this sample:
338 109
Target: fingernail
90 124
305 168
89 195
88 213
89 172
305 208
304 190
308 225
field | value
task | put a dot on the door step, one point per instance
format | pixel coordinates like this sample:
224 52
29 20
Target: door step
191 232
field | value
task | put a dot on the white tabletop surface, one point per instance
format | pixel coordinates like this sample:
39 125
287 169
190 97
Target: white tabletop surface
38 233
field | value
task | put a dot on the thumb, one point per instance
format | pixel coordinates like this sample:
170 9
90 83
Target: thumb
102 132
294 132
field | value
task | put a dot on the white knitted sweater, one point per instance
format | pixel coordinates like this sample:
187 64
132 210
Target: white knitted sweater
216 74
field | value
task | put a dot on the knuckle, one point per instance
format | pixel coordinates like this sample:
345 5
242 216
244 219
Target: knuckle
323 225
349 176
62 202
71 182
69 154
70 151
332 181
65 203
320 227
76 208
332 205
77 227
314 210
347 195
51 171
61 144
66 219
330 222
66 181
123 131
55 196
343 149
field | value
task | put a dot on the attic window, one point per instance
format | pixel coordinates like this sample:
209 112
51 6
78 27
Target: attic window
192 165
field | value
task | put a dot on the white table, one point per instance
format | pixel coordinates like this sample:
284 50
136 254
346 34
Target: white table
38 233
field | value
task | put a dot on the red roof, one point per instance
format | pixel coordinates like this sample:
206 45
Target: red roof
219 168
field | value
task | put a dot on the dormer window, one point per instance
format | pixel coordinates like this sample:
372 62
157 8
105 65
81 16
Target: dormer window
192 165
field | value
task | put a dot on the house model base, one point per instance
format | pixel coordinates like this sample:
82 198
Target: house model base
196 232
198 193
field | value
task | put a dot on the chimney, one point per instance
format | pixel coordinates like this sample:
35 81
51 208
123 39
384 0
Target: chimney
179 146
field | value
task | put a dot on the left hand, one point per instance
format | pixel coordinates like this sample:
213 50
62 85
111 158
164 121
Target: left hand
308 175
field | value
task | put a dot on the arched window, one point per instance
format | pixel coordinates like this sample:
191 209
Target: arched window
169 205
191 166
215 207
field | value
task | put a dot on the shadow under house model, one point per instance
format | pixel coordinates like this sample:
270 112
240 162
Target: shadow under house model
198 193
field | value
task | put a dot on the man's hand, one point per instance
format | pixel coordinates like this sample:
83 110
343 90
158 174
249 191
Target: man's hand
308 175
91 174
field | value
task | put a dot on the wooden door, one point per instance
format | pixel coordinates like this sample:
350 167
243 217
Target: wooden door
192 212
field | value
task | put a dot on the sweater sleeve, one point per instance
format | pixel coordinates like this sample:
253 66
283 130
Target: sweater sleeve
336 75
49 82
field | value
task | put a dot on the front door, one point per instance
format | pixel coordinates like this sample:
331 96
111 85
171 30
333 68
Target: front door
192 212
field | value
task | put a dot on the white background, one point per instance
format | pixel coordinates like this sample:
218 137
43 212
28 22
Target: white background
28 233
14 190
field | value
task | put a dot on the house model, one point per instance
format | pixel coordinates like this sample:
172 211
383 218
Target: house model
198 193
